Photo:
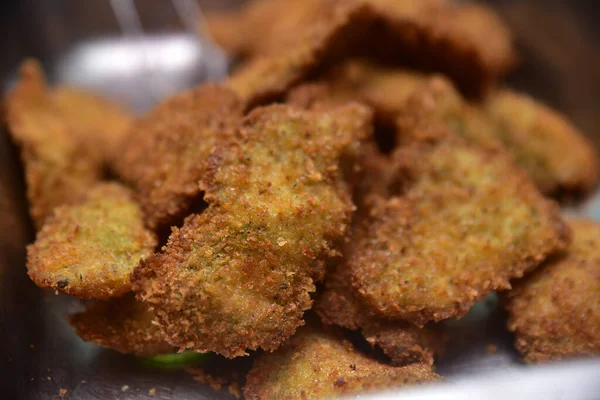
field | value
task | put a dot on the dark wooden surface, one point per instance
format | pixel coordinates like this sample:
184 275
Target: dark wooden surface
560 46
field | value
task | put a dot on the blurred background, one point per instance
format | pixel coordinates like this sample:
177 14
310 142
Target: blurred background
559 41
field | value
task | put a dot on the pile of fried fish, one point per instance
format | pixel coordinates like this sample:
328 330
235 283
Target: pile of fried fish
361 161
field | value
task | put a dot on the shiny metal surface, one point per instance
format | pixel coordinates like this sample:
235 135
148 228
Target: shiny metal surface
39 352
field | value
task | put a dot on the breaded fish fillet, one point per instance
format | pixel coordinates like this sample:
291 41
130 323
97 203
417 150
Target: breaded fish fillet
262 26
467 42
402 342
314 365
99 123
58 164
544 142
270 76
532 134
436 106
164 152
385 89
555 311
88 249
238 276
122 324
462 223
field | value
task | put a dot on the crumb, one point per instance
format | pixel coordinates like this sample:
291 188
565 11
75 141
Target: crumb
62 392
49 378
83 382
124 388
492 349
152 392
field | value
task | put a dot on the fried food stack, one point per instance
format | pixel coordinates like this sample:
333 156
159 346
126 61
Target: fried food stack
362 160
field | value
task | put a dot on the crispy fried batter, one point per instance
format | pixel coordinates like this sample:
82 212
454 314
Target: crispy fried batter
555 311
89 249
238 276
385 89
271 75
57 164
163 154
402 342
435 107
315 364
99 123
533 135
537 137
467 42
262 26
463 223
122 324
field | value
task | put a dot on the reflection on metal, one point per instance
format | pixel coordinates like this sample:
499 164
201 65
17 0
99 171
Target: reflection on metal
574 380
140 71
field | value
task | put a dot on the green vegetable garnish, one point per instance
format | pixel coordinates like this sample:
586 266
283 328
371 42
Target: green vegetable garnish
175 360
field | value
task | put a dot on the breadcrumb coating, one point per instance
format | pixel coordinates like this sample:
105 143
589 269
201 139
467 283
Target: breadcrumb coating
537 137
122 324
463 221
555 311
88 249
98 122
315 364
58 164
163 155
238 276
468 42
532 134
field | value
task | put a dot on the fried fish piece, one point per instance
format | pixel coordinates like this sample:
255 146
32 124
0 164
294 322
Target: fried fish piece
98 122
555 311
462 222
537 137
88 249
271 75
238 276
122 324
436 106
262 26
385 89
402 342
315 364
163 154
57 164
467 42
533 135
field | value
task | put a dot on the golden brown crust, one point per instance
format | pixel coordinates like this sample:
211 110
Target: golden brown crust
58 165
385 89
314 364
123 324
402 342
467 42
262 27
555 311
463 223
545 143
533 135
271 75
100 124
88 249
238 276
164 152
